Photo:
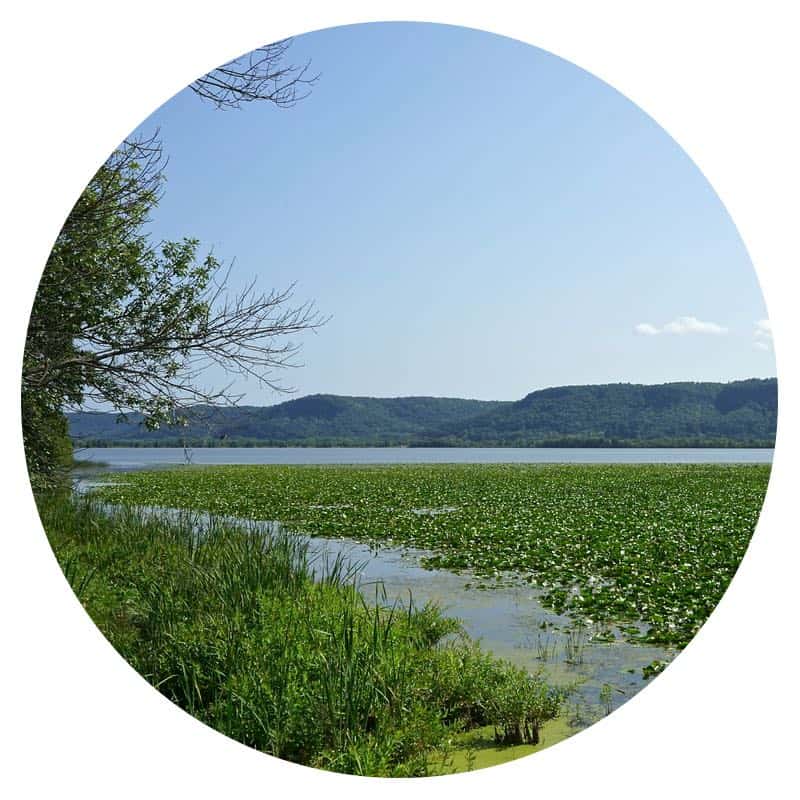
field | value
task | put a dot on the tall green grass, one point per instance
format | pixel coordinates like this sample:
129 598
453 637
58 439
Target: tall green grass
246 632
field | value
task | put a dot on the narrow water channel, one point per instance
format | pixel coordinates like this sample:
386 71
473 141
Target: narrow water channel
508 620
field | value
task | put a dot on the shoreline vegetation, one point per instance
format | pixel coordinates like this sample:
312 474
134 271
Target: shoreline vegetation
611 444
236 623
87 463
281 652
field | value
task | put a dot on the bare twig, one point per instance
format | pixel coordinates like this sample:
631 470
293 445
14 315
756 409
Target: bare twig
259 75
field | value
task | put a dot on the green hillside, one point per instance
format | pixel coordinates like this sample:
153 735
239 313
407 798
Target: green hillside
741 413
320 419
623 413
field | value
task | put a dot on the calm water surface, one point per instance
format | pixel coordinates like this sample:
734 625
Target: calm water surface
143 457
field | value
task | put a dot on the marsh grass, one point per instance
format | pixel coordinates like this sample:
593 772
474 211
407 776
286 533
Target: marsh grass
242 629
606 698
546 647
575 643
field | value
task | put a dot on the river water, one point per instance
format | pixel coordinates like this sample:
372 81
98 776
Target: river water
142 457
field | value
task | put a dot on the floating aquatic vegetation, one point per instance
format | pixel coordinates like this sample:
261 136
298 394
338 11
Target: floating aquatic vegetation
649 547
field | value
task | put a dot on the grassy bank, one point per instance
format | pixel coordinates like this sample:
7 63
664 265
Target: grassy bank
250 636
620 543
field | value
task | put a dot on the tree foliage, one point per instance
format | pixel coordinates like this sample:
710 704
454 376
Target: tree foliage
122 322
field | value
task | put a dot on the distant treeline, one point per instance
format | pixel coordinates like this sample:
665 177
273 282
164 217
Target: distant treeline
551 443
208 442
597 442
737 414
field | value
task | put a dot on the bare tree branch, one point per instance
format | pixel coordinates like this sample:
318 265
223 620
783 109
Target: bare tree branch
259 75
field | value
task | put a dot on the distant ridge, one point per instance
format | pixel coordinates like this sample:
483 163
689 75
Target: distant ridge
315 419
736 414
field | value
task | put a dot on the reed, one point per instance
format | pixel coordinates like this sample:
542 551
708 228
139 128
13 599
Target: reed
239 627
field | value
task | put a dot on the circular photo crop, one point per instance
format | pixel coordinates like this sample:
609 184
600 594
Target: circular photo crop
399 399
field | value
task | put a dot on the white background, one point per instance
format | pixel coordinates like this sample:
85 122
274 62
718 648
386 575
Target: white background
720 77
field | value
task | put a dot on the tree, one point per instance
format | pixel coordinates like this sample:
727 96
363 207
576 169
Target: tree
124 322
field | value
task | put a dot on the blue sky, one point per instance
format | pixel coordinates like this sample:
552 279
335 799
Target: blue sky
479 218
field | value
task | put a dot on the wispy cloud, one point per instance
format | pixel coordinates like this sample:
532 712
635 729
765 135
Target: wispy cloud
680 327
762 335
